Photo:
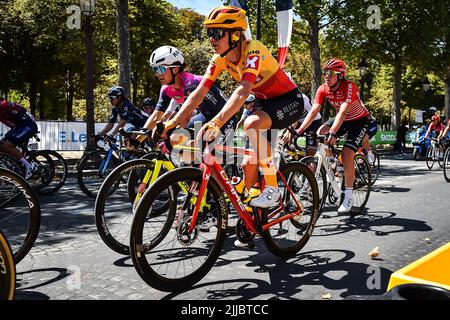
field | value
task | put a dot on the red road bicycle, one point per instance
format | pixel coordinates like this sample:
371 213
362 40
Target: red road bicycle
182 254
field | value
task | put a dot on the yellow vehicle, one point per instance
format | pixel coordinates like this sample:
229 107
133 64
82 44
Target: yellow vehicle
432 269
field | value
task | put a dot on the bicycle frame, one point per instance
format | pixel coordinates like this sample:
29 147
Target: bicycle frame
152 175
210 166
322 161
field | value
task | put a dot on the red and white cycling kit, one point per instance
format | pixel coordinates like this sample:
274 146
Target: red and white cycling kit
437 128
347 92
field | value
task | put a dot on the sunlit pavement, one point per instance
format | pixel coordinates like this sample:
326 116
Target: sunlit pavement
406 217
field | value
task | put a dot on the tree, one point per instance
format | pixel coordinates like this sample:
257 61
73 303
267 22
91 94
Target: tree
394 41
123 45
315 15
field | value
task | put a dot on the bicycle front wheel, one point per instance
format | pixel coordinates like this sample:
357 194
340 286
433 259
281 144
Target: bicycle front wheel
287 238
440 157
361 184
181 257
114 208
374 167
20 213
93 169
7 270
430 157
311 163
447 165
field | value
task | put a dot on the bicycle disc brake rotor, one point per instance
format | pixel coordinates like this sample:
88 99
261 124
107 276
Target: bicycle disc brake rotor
185 237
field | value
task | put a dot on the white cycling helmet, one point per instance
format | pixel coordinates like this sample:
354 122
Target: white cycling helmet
166 56
251 98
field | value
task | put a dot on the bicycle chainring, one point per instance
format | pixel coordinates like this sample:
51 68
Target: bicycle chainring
242 232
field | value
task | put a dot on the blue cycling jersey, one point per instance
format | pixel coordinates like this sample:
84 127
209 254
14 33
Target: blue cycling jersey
127 111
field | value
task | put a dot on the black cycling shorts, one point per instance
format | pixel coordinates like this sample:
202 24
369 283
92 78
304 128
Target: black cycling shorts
283 110
355 130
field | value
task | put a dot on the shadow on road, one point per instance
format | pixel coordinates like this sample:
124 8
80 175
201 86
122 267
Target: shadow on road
46 277
328 268
381 223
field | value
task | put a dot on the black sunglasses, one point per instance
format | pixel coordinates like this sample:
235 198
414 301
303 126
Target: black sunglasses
216 33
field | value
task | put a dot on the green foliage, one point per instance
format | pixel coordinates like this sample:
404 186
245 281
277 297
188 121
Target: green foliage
41 59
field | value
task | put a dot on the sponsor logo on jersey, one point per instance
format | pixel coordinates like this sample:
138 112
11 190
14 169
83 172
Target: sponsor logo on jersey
252 62
211 69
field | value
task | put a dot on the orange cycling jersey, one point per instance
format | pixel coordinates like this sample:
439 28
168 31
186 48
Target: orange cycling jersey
256 65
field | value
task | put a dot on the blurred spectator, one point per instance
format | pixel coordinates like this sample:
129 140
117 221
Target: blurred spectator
401 137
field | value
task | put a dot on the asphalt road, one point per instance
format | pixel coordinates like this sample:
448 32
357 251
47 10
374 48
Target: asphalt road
407 217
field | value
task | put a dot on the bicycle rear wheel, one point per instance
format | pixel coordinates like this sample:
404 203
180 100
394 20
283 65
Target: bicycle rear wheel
114 207
89 176
20 213
7 270
51 171
447 165
287 238
180 258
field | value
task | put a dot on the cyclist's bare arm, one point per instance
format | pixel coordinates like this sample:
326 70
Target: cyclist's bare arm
121 124
443 133
153 119
107 128
192 102
311 116
168 115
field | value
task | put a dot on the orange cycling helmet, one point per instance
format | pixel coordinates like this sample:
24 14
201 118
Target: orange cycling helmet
336 65
226 17
436 117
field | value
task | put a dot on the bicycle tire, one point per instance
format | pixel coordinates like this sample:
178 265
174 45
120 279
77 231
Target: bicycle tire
20 244
213 247
430 157
360 184
441 158
58 171
323 191
9 162
375 167
275 240
124 211
89 166
447 165
7 270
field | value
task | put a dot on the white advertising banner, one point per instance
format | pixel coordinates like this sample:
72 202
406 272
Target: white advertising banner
60 135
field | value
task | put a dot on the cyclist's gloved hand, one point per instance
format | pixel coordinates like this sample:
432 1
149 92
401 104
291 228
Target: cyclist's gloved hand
331 138
162 128
287 136
210 131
